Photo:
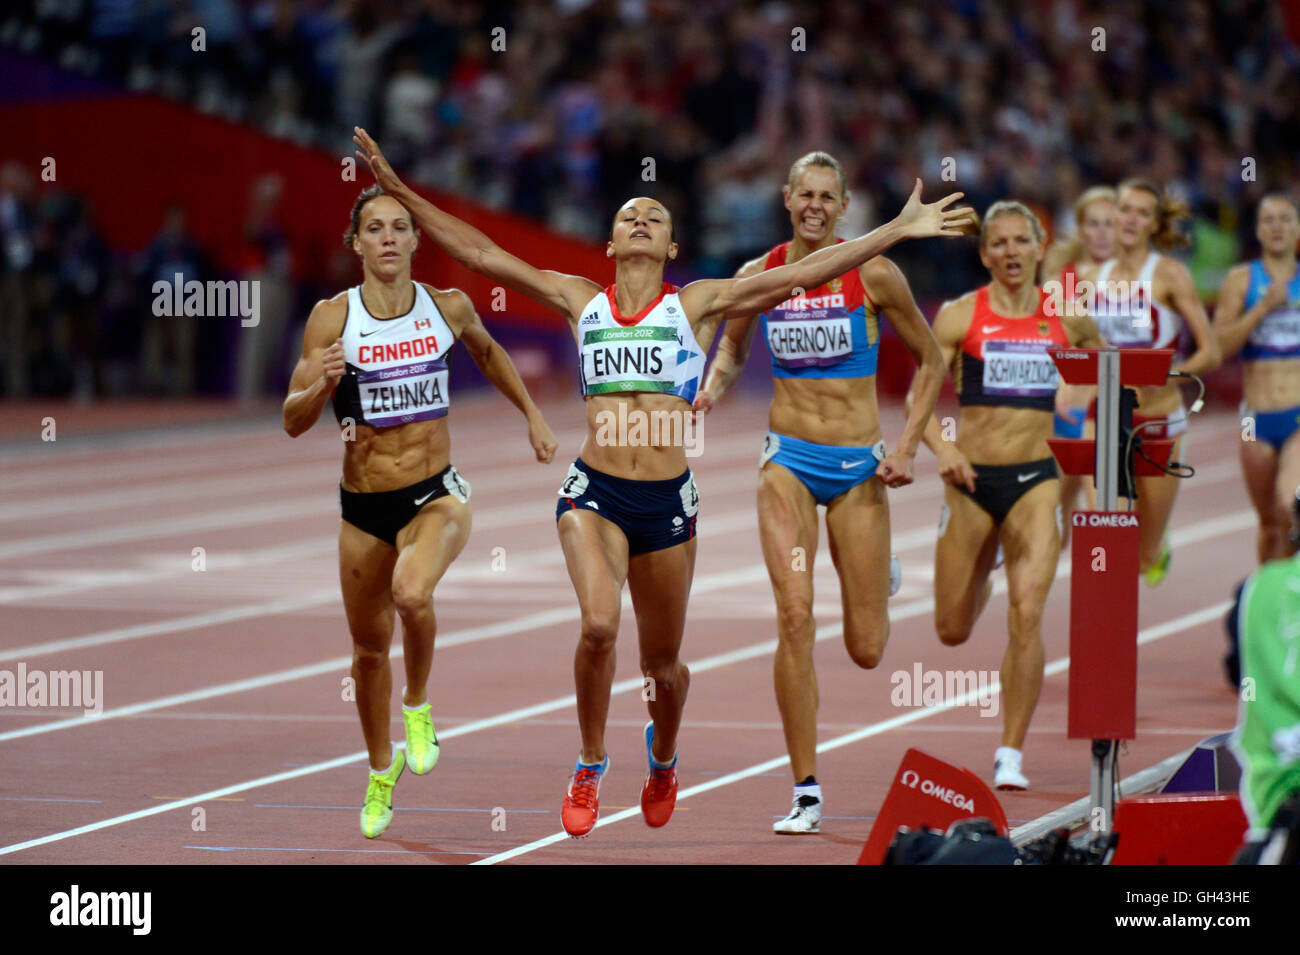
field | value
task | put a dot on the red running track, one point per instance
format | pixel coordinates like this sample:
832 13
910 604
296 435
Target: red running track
225 737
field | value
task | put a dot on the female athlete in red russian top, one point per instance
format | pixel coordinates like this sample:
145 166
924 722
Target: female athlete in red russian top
1259 315
380 350
1001 483
629 506
824 446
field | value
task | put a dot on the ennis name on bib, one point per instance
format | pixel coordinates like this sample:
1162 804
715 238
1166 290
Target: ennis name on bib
654 350
396 367
831 332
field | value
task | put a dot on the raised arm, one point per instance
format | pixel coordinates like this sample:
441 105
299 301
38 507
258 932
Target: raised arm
893 297
566 294
725 299
733 350
319 369
1233 322
1183 297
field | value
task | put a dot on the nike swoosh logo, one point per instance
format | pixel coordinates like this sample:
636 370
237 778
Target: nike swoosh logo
425 498
852 464
371 332
1022 478
989 329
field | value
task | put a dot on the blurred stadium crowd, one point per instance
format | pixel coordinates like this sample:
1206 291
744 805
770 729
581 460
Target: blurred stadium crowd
1027 98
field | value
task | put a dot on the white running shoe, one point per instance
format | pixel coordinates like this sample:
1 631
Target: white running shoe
895 574
805 816
1006 770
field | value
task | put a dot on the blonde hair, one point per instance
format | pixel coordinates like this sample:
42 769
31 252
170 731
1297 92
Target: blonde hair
1170 214
1095 194
1070 248
1011 207
818 158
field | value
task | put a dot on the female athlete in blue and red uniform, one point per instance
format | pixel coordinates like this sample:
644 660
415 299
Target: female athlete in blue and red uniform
380 350
825 447
628 508
1259 315
1001 480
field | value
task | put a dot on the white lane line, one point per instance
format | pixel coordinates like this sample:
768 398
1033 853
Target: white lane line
512 716
625 686
723 523
1187 621
705 584
300 505
911 609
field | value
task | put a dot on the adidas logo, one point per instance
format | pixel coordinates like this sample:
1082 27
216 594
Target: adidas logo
592 319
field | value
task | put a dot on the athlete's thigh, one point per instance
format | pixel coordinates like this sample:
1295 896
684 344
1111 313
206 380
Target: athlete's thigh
596 555
1156 500
429 543
787 528
963 556
1259 467
1031 543
660 586
365 575
857 528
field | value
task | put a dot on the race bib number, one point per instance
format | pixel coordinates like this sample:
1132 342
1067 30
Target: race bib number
456 485
629 359
403 393
575 482
1278 332
1018 369
690 495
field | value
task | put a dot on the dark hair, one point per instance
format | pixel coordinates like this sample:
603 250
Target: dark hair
366 194
1170 214
672 223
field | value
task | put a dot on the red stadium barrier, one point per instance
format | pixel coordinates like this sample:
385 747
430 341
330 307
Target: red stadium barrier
161 153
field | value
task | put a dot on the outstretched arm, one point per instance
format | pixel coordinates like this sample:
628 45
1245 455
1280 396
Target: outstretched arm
497 368
724 299
732 353
566 294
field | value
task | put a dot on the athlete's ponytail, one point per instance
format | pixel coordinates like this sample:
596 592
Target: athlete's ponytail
1171 213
